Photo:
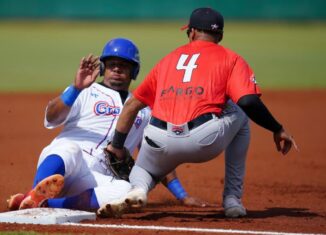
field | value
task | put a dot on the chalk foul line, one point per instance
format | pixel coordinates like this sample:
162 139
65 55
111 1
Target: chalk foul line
184 229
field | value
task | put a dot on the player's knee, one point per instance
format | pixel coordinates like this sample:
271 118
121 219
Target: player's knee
72 148
71 154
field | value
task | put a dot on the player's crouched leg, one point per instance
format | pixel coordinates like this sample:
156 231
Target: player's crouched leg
61 158
70 154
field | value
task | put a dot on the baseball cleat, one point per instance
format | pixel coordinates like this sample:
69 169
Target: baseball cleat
233 207
114 209
14 201
49 187
135 198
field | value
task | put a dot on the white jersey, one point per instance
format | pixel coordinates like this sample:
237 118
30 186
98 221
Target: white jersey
93 117
87 129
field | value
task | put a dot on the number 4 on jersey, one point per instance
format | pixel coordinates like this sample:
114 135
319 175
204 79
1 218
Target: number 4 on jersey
189 67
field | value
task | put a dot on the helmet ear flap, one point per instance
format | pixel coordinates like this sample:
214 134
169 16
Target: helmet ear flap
102 68
135 72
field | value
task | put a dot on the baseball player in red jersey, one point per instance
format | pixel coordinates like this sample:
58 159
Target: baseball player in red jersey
193 92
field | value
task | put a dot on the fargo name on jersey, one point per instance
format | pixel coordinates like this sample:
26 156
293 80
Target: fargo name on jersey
182 91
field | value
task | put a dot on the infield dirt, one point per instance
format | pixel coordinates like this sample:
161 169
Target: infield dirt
282 193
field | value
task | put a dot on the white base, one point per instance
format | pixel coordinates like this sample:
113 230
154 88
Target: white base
45 216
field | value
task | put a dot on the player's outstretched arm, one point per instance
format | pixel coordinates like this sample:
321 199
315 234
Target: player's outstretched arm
258 112
58 108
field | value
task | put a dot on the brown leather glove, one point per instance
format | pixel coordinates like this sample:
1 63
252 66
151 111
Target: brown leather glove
120 168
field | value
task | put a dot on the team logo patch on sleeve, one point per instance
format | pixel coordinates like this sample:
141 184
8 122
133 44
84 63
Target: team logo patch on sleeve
138 122
103 108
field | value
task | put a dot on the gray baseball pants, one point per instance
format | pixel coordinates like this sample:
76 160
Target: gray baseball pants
230 133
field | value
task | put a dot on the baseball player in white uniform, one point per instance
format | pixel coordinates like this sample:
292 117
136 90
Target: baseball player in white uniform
71 171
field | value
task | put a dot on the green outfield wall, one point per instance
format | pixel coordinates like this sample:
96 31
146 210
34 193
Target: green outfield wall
165 9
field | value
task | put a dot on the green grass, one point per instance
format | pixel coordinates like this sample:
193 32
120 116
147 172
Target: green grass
43 56
282 55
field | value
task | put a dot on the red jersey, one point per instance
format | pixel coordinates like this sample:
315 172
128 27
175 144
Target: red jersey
194 79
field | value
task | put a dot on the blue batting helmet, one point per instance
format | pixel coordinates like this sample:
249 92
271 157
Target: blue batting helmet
122 48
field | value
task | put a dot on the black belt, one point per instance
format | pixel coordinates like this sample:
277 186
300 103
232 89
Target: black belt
191 125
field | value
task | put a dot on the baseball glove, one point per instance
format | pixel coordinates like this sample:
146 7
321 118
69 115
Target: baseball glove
120 168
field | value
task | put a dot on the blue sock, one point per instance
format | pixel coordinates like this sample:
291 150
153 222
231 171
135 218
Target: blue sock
176 189
85 201
52 164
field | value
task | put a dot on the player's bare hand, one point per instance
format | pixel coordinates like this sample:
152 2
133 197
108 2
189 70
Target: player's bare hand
119 153
89 69
284 142
195 202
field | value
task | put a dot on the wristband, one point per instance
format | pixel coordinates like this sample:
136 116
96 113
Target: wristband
176 189
119 139
277 128
69 95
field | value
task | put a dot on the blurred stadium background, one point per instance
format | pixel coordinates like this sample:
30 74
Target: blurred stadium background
41 42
